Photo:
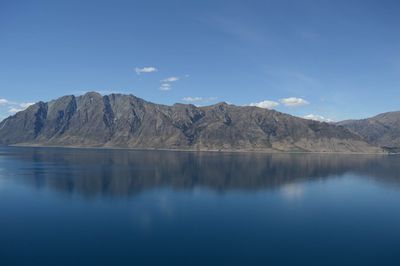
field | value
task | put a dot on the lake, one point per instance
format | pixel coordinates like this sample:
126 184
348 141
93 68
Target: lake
124 207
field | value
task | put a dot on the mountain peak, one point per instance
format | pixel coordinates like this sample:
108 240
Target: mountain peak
118 120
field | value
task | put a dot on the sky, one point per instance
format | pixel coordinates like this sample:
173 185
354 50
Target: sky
327 60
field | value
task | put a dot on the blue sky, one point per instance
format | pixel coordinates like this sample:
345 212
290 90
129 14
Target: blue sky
336 59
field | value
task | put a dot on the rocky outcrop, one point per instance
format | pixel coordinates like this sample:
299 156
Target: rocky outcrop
116 120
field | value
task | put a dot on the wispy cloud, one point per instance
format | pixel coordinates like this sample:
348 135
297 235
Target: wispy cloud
266 104
192 99
145 70
3 101
170 79
18 108
165 87
13 107
199 100
293 102
319 118
166 83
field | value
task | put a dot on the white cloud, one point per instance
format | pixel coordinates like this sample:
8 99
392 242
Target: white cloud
199 99
165 83
266 104
13 107
145 70
18 108
319 118
192 99
3 101
165 87
293 101
170 79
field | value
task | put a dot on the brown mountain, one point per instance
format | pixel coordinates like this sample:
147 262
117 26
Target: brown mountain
116 120
382 130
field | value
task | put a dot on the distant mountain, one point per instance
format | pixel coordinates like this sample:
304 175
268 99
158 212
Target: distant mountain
382 130
116 120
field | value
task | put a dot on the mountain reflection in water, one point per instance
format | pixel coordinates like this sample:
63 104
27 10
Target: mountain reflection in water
94 172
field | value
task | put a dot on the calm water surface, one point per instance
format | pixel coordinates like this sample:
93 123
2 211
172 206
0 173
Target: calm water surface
119 207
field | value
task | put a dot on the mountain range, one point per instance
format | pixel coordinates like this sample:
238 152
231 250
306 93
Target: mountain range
126 121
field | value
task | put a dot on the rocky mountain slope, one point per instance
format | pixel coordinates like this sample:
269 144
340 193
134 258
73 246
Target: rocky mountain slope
116 120
382 130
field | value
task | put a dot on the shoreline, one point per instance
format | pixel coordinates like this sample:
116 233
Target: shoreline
196 151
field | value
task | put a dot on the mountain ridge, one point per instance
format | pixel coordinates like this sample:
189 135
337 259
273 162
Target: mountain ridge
380 130
126 121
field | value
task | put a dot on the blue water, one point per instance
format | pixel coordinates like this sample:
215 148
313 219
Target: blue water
121 207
